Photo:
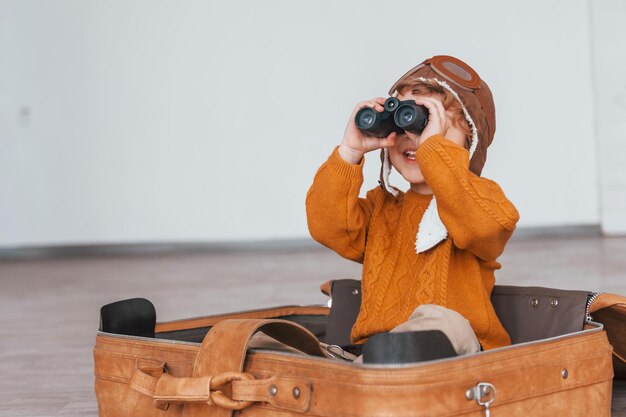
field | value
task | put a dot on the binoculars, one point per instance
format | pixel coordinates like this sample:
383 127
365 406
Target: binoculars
398 116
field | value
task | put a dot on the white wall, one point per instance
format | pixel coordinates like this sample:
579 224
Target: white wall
609 36
135 121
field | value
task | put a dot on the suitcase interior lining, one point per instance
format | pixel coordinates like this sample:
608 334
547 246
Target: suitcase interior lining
316 324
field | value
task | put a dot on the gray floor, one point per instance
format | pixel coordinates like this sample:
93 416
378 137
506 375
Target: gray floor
49 306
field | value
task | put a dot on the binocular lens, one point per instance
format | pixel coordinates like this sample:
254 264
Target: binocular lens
366 118
411 117
407 115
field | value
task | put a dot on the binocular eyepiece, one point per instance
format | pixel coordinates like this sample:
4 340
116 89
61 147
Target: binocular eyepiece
398 116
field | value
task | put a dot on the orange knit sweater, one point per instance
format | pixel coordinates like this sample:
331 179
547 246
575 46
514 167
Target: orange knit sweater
379 231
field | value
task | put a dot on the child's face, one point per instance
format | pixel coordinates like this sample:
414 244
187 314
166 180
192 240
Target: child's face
402 154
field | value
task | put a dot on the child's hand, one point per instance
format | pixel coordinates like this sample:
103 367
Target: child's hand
437 120
356 143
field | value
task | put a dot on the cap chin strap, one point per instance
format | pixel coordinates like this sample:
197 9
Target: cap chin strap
431 229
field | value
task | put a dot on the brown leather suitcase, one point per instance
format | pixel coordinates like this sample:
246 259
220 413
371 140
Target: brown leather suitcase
208 366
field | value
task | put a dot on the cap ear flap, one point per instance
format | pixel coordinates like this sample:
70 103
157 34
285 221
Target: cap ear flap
385 170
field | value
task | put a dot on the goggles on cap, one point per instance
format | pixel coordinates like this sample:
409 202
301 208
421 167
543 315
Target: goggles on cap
451 69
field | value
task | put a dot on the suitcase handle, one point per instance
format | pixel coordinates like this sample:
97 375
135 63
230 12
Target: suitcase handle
220 362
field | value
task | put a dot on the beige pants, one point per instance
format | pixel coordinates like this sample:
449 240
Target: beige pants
451 323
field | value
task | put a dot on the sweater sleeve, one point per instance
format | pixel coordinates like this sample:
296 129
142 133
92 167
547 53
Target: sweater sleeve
477 214
336 216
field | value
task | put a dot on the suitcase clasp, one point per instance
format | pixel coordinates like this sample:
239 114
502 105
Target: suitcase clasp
484 393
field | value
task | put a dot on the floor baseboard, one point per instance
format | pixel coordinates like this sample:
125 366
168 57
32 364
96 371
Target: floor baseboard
278 245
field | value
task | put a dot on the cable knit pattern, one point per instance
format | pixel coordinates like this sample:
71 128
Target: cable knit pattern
379 231
379 243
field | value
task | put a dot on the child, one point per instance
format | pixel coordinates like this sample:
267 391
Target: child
436 243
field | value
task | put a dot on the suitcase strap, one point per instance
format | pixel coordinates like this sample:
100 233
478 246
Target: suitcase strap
220 362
